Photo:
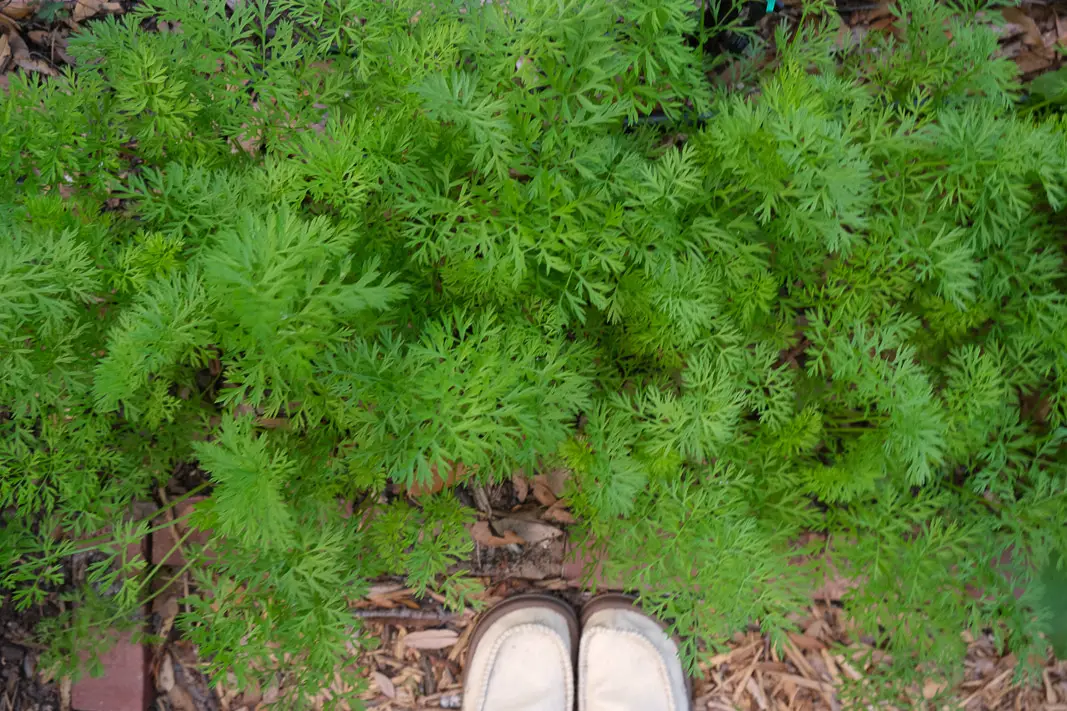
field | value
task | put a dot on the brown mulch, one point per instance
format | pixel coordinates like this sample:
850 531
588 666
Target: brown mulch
420 660
419 663
21 687
33 33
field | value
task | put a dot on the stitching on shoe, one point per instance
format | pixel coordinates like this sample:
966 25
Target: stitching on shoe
544 630
583 663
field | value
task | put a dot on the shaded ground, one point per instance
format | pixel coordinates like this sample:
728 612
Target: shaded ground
21 689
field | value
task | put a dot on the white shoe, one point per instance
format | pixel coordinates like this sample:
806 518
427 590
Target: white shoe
522 657
627 662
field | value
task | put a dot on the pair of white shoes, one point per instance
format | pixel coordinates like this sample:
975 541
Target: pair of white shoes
526 652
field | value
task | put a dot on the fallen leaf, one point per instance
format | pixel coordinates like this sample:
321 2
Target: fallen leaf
165 676
556 480
543 493
835 588
180 700
803 641
84 9
886 24
381 602
271 694
5 51
558 512
843 36
932 688
21 54
456 473
1009 31
880 11
530 532
167 609
19 9
521 486
431 639
1017 16
384 684
1030 62
483 534
17 45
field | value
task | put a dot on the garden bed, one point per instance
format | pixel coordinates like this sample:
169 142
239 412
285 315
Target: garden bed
357 317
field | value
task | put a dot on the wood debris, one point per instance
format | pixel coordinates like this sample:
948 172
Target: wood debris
431 639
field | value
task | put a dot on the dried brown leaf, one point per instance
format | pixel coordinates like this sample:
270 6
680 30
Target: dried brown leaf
19 50
834 587
165 675
1017 16
886 24
543 492
5 51
180 699
21 54
384 684
19 9
1030 62
456 473
430 639
84 9
803 641
558 512
167 609
933 687
556 480
530 532
483 534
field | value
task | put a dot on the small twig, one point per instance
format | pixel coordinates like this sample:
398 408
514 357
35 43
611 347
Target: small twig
481 498
185 589
429 684
405 615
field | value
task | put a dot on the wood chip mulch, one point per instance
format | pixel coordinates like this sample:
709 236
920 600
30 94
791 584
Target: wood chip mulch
420 660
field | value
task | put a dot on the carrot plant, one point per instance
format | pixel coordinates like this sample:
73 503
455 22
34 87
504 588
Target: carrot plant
327 250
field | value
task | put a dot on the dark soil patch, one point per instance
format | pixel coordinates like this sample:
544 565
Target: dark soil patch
20 687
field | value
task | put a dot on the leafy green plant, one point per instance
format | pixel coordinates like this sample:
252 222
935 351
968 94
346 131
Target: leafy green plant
327 250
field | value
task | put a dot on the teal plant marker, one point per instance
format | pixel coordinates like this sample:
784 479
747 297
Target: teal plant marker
770 6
